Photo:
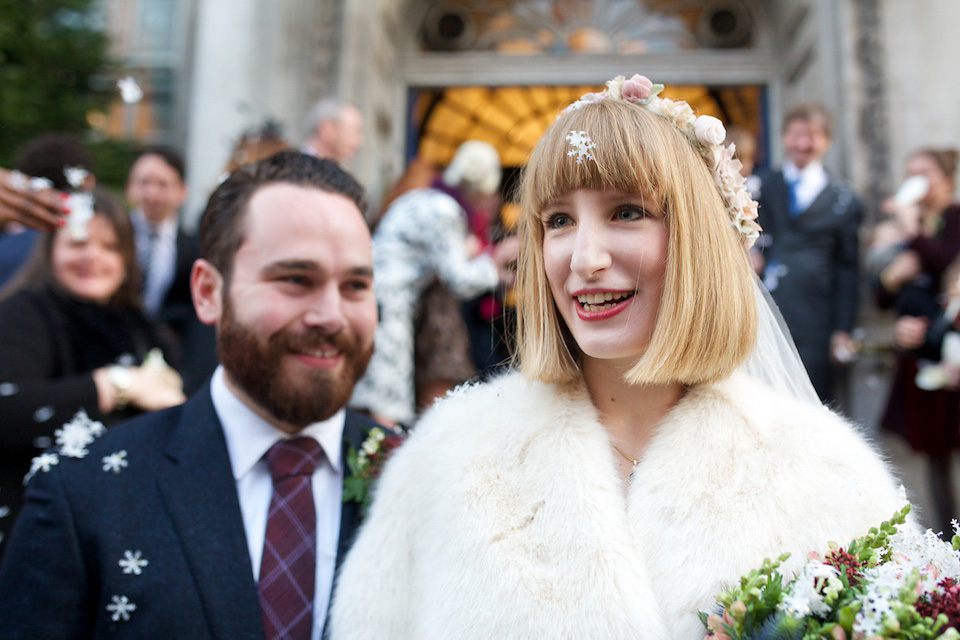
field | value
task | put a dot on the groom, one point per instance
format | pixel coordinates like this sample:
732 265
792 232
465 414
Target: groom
222 518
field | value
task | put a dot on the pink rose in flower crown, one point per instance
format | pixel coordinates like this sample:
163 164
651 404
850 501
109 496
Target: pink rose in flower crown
637 88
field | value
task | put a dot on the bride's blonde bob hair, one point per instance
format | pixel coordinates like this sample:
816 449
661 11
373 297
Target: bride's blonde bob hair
707 321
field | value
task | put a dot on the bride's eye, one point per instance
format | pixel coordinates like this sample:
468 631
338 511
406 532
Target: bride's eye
556 221
631 212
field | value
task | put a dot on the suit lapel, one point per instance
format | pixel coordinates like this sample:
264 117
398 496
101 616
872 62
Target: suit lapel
355 430
200 494
824 200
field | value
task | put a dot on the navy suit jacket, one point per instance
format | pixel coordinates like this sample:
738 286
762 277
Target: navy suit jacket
175 504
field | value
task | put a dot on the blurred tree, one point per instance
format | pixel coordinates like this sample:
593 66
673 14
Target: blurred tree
51 54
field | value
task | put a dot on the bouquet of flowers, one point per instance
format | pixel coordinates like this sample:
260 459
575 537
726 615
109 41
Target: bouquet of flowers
890 583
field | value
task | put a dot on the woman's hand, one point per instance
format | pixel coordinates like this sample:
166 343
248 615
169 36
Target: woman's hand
155 388
904 267
151 386
909 332
41 209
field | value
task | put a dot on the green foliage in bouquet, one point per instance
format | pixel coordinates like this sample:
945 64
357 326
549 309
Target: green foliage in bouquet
885 584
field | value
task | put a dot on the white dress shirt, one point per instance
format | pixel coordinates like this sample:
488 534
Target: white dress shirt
812 179
248 438
163 260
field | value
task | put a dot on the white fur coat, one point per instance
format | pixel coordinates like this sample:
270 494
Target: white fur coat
503 515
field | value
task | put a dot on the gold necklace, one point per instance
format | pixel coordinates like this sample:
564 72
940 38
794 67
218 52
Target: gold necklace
633 461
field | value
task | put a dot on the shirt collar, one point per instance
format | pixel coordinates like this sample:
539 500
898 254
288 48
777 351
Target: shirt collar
813 171
249 436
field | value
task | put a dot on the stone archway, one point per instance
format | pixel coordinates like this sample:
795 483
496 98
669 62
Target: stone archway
399 55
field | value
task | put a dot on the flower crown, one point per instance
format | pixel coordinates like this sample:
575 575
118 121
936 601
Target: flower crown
705 134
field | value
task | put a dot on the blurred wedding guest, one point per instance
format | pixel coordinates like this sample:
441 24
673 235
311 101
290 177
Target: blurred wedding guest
811 222
73 337
912 251
40 164
424 239
256 144
335 130
156 191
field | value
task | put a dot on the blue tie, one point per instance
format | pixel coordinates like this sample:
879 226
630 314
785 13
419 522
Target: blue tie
792 204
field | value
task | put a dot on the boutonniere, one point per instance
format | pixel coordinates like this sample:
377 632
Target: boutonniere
366 464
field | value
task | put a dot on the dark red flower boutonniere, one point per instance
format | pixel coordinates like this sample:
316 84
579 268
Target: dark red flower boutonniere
365 465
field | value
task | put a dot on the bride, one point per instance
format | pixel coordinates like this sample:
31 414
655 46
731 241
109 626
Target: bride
659 438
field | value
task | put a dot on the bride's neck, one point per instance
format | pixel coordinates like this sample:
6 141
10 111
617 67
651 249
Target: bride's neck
629 412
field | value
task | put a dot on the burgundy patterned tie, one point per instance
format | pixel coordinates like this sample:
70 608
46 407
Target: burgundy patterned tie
288 566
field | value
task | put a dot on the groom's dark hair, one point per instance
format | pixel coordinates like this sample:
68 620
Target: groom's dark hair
221 226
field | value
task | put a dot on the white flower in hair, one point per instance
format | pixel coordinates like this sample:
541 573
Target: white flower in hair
581 144
709 130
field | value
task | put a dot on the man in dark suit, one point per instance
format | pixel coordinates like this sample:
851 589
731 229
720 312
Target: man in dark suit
156 189
811 222
223 517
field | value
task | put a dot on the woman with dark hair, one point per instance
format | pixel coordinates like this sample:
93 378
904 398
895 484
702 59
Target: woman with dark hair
72 338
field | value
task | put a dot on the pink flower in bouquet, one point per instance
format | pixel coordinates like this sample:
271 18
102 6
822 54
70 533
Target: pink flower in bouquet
637 88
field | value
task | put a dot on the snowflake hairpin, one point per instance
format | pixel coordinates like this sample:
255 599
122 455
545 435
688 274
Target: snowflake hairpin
581 144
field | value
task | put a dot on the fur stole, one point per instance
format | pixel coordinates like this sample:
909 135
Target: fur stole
503 516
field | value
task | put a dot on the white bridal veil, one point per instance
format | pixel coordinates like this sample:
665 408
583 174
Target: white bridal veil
774 359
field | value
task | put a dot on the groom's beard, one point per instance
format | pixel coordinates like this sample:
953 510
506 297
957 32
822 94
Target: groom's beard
262 369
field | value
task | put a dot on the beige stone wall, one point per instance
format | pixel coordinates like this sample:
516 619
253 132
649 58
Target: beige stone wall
921 50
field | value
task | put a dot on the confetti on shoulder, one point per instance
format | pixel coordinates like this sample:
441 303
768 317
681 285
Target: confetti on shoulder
133 562
120 607
75 435
116 462
43 462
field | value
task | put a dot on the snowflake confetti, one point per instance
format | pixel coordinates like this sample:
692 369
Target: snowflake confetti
81 212
115 462
8 389
74 436
130 91
133 562
43 414
581 144
43 462
120 607
75 176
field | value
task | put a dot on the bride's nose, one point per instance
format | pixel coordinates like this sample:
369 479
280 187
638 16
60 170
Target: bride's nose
590 252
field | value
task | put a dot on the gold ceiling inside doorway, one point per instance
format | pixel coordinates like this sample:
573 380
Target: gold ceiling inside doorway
512 119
